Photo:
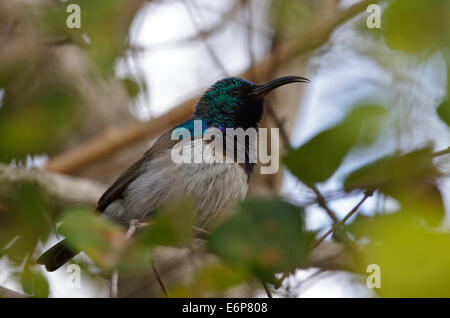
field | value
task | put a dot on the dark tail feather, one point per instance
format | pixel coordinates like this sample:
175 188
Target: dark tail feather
56 256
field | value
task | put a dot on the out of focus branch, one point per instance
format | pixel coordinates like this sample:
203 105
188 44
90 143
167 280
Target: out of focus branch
201 34
442 153
111 141
212 53
64 189
342 222
114 284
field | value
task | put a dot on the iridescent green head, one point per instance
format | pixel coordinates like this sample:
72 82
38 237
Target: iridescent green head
234 102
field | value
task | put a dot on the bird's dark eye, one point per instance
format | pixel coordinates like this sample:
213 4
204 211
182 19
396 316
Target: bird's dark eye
235 92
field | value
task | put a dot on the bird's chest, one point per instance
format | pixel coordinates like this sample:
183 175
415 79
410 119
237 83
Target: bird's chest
213 187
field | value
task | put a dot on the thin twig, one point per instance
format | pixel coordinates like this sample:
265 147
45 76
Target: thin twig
211 51
114 285
280 124
266 288
337 225
281 280
441 153
200 35
160 280
323 204
249 27
200 233
134 225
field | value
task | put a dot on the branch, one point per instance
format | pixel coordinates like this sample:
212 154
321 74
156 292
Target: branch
323 204
111 140
65 189
200 35
267 290
342 222
114 285
160 279
441 153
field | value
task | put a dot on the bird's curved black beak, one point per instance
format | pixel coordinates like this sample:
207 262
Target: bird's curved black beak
266 88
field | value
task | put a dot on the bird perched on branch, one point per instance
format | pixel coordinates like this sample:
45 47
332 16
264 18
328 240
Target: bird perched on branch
156 179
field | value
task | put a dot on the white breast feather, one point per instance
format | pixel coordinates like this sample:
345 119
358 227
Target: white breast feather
213 187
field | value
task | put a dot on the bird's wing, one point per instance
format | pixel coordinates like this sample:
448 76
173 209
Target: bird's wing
115 191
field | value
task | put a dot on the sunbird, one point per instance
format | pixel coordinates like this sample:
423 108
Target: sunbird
155 179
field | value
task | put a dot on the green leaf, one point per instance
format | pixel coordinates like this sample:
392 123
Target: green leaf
265 237
36 122
288 17
34 283
416 25
131 87
389 174
172 226
405 178
26 211
105 22
101 239
444 111
413 259
423 200
319 158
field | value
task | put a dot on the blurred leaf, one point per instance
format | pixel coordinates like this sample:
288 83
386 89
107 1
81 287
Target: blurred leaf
416 25
101 239
131 87
287 17
211 281
391 174
35 122
413 259
104 28
444 111
25 218
318 159
105 243
423 200
172 226
136 257
34 283
265 237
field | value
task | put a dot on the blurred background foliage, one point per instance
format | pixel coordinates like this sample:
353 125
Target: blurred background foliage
59 87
